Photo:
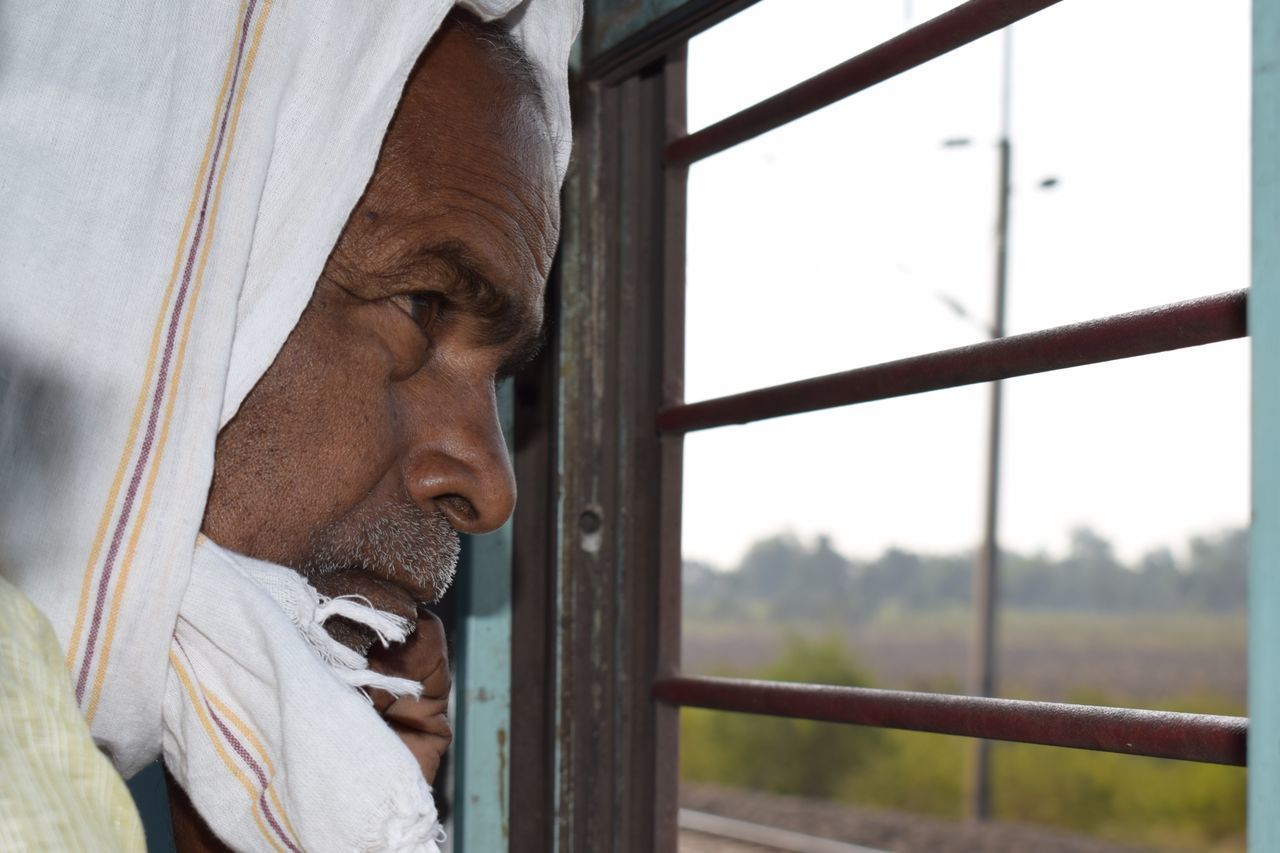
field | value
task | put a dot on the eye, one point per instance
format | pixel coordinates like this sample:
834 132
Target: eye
423 308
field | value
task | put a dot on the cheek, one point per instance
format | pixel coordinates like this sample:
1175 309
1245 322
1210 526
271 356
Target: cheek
350 439
310 442
349 421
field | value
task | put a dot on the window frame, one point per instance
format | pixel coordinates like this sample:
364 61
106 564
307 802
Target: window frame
596 615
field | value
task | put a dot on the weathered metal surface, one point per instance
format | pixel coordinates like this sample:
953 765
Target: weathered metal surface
1183 324
581 596
950 30
611 21
670 568
532 615
1160 734
1264 545
604 726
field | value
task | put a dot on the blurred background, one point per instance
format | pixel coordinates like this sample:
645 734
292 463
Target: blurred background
838 547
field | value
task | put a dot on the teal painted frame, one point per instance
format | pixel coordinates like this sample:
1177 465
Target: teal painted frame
615 20
482 683
152 799
1264 330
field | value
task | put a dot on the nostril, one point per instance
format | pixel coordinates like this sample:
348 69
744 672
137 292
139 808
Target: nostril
462 472
461 512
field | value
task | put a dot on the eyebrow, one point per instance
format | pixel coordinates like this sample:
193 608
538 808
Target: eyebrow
503 322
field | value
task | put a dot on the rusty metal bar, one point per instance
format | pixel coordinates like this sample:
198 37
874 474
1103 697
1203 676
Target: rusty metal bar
1160 734
1183 324
965 23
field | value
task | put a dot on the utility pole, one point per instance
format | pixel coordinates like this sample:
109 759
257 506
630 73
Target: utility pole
986 575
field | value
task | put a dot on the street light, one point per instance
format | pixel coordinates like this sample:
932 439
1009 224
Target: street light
986 573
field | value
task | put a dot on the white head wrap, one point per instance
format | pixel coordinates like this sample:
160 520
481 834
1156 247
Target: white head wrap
172 179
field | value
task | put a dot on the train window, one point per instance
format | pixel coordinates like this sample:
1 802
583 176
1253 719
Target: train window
830 31
776 334
837 547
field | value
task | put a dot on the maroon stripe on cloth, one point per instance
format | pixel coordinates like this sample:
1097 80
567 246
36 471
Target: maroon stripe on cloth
253 765
104 580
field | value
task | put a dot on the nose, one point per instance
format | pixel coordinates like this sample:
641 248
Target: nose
457 461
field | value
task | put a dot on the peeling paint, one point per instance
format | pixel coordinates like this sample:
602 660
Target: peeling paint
503 802
481 822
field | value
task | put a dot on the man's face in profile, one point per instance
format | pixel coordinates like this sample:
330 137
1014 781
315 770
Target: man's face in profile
374 436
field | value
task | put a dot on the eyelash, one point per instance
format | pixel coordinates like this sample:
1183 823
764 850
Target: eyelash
423 308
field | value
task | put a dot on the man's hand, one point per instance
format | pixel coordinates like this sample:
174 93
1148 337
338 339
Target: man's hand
383 595
423 724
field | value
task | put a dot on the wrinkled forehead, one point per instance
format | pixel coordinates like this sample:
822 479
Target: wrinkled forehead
469 162
473 96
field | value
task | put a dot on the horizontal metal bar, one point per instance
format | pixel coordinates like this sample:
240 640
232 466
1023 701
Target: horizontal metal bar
965 23
1160 734
1169 327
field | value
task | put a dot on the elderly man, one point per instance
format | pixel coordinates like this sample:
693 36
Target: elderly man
374 437
353 455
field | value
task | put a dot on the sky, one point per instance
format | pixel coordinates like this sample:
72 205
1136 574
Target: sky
842 239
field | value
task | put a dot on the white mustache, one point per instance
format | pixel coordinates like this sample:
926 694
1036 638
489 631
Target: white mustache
400 540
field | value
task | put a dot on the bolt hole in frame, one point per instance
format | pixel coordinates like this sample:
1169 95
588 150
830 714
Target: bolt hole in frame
831 330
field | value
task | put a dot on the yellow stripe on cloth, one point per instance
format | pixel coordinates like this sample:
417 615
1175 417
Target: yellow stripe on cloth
248 734
118 594
108 511
216 739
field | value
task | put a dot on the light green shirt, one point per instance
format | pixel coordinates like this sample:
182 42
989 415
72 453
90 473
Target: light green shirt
57 791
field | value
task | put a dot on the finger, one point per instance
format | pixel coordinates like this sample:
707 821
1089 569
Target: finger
430 627
379 593
381 699
436 687
422 657
425 715
425 748
437 683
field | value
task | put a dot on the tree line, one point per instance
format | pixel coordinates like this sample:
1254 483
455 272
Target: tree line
786 579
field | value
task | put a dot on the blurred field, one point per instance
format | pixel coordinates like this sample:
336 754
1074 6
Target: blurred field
1197 659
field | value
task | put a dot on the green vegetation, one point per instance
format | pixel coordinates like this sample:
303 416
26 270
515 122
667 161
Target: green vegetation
1165 632
782 755
1135 659
1167 804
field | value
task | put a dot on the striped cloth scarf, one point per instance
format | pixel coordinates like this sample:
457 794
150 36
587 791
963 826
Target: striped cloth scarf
172 177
